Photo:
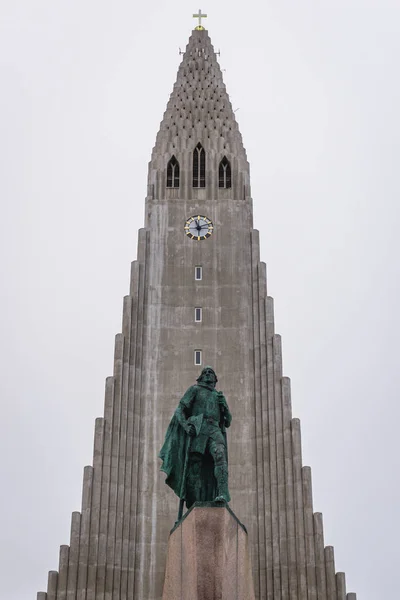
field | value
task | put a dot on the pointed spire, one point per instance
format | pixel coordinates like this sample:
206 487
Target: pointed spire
199 109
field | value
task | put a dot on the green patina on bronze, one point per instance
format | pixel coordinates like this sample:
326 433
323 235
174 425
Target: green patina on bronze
194 454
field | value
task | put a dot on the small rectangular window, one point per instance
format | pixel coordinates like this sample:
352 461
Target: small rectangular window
197 357
198 315
198 273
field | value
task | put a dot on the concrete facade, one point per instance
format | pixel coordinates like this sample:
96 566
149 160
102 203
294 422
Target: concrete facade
119 540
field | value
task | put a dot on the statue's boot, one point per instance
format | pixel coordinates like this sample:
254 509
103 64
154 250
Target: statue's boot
221 475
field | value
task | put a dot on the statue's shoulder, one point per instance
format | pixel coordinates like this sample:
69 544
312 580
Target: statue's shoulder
189 394
193 389
190 389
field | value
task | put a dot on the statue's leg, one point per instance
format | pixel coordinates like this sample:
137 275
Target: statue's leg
218 452
193 479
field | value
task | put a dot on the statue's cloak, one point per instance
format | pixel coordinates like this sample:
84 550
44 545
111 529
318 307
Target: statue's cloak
174 451
173 454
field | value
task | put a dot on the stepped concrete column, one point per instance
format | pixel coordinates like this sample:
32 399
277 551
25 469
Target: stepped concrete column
52 585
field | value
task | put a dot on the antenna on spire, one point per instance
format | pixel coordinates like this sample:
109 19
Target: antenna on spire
199 16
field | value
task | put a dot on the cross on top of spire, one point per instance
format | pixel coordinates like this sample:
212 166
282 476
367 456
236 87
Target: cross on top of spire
199 16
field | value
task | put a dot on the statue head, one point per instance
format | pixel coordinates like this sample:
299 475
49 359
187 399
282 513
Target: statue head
208 376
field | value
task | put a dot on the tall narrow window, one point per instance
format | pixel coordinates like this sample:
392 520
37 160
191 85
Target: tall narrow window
197 357
225 176
198 273
173 173
198 315
199 167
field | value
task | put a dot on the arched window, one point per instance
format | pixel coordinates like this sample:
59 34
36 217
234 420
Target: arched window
173 173
199 167
225 176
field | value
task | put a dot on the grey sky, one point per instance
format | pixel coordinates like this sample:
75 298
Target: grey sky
83 86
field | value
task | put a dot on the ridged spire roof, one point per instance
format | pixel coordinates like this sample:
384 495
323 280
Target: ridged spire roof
199 109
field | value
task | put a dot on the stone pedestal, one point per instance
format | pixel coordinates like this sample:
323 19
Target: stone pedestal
208 557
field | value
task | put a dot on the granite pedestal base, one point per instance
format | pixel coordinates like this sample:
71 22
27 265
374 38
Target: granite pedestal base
208 557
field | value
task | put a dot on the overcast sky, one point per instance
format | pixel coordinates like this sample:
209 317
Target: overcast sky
83 87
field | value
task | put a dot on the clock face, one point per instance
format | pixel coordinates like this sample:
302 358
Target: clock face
198 227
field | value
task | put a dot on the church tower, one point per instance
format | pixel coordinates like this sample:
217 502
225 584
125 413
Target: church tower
198 295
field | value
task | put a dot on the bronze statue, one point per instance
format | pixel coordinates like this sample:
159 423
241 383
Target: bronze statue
194 453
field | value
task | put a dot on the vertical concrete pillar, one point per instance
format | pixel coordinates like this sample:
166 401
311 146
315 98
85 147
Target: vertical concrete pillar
105 489
267 390
280 465
95 508
130 429
63 573
85 531
290 517
52 585
73 556
273 471
330 573
319 555
309 533
137 407
115 442
298 508
258 318
109 400
142 246
341 586
126 331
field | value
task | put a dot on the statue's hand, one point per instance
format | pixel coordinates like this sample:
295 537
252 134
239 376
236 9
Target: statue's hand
190 429
222 401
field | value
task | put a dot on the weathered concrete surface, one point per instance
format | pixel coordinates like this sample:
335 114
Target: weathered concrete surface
208 558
